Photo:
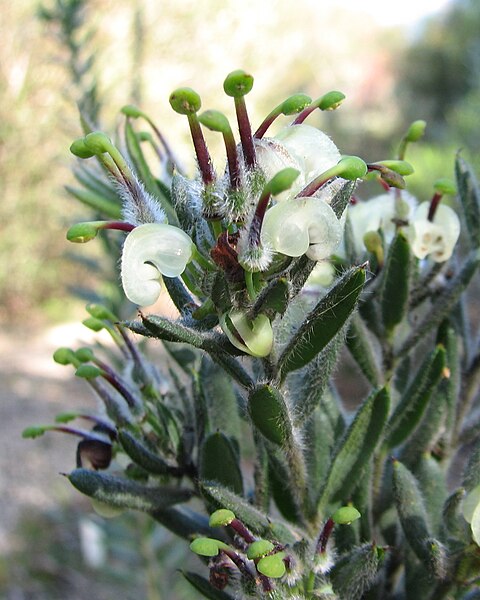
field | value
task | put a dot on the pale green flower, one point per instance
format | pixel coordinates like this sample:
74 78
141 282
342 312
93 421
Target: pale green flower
149 251
255 337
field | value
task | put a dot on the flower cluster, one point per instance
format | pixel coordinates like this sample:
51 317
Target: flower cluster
280 198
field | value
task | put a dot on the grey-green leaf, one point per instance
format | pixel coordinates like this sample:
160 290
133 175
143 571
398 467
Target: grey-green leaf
323 322
357 447
395 284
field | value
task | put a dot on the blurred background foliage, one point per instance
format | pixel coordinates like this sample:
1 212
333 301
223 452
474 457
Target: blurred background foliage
101 54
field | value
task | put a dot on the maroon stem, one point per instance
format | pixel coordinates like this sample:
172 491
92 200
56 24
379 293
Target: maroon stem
240 528
245 132
115 381
83 433
201 150
313 187
120 225
257 221
325 536
232 158
304 114
265 125
434 202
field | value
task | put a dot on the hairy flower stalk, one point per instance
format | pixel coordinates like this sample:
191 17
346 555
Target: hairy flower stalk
248 379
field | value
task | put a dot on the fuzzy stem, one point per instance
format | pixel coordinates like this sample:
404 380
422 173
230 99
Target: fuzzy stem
232 159
250 287
325 536
115 381
269 119
242 531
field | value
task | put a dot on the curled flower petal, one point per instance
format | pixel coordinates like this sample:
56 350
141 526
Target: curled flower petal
304 148
378 213
435 238
311 147
253 337
302 226
149 251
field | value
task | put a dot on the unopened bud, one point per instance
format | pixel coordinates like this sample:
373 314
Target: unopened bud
81 233
295 104
79 148
88 372
207 546
345 515
215 121
331 100
416 131
129 110
84 354
221 517
64 356
238 83
282 181
351 167
185 101
259 549
445 186
272 565
98 142
402 167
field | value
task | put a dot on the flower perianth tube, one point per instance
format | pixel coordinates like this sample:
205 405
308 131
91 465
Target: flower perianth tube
150 250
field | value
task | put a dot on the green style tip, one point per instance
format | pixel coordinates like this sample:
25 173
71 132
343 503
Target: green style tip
185 101
238 83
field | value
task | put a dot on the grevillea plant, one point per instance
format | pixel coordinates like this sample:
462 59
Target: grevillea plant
238 440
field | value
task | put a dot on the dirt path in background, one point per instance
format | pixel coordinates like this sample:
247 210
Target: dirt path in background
33 389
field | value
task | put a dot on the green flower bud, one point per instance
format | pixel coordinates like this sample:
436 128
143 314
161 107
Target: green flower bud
282 181
185 101
259 549
98 142
66 417
272 566
416 131
352 167
129 110
207 546
94 324
84 354
34 431
238 83
79 148
402 167
101 312
372 241
215 121
445 186
64 356
345 515
221 517
295 104
88 372
331 100
81 233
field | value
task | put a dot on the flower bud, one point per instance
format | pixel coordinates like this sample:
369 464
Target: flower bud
215 121
402 167
81 233
64 356
204 546
294 104
79 148
221 517
185 101
88 372
254 337
351 168
331 100
238 83
84 354
416 131
445 187
129 110
98 142
272 565
345 515
259 549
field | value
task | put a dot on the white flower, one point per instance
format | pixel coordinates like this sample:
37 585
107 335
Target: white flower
253 337
149 251
378 213
435 238
302 226
302 147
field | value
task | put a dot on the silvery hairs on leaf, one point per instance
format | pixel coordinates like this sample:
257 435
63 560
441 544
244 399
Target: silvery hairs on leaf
139 206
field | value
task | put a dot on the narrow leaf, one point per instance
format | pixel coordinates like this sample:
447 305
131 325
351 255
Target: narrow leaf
469 193
356 448
396 280
360 345
412 405
125 493
144 457
219 462
323 322
183 522
269 414
444 303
